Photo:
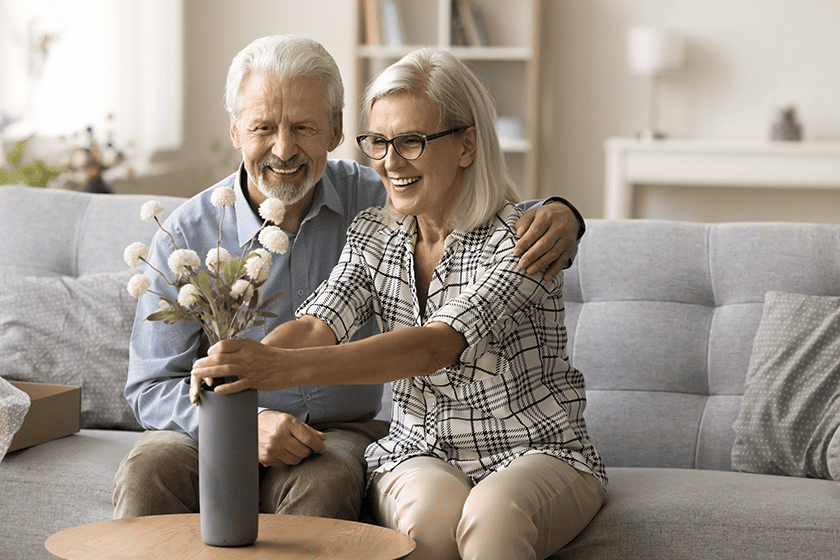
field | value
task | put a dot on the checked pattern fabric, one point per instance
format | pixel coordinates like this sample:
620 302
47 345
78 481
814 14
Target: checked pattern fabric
512 393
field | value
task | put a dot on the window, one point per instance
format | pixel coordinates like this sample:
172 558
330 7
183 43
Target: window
117 66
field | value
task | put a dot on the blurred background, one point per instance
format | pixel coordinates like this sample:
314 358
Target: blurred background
147 76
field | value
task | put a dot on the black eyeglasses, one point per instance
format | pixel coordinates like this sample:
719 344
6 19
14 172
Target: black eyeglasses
408 145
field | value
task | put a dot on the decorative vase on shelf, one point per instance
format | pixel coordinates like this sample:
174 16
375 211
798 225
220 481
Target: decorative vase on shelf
228 468
786 127
97 185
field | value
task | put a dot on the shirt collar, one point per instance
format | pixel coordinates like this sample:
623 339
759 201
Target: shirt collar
248 222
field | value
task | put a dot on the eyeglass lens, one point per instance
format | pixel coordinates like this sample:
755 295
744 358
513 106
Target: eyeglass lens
408 146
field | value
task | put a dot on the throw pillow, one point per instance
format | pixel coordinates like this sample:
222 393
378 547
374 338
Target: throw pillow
71 331
790 410
834 456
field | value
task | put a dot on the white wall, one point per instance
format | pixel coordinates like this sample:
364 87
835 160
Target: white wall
215 30
744 60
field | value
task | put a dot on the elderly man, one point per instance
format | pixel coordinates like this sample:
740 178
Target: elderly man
285 99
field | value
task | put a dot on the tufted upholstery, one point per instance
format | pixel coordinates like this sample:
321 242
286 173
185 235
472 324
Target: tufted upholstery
49 232
661 317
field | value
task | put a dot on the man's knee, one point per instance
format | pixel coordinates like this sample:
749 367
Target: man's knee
325 485
159 475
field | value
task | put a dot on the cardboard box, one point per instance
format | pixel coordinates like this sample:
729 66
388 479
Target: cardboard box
54 412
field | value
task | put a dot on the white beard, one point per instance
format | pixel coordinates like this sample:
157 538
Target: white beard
286 191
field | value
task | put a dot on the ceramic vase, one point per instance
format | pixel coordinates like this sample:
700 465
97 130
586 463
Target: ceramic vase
786 127
228 468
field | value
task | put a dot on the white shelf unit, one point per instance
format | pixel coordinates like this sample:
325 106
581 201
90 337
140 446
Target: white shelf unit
714 163
508 66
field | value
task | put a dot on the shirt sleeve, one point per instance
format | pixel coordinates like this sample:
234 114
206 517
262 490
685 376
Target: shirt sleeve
492 307
161 355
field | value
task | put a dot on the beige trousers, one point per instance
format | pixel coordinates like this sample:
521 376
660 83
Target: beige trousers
528 510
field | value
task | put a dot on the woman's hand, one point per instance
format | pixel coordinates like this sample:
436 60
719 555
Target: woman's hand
255 365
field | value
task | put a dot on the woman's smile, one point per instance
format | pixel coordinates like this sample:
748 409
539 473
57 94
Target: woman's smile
399 182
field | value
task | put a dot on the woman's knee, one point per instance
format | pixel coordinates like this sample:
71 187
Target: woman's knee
423 498
528 510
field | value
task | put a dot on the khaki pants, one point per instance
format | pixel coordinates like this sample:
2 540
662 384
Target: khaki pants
160 475
528 510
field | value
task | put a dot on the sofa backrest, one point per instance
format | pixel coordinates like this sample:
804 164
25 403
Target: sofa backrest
66 314
661 318
51 232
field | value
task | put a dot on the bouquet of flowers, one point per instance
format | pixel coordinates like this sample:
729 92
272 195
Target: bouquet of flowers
225 298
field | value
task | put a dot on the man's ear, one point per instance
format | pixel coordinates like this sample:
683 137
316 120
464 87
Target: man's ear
469 144
234 134
337 134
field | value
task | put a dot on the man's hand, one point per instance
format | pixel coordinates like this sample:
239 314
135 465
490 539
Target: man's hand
283 439
547 239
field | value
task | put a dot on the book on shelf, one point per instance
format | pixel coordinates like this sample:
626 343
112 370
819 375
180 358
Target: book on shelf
458 36
391 24
370 21
471 18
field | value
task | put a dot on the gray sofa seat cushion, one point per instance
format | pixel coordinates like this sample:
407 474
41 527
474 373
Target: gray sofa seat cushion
691 513
61 484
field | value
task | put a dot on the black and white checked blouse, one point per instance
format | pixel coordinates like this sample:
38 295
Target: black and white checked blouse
513 392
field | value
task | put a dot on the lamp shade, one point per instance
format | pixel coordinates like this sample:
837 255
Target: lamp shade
653 52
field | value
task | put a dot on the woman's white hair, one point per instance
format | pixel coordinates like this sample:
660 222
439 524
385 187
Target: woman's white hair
285 57
462 101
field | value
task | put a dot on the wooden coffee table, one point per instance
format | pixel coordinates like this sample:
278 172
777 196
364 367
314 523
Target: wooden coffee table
179 536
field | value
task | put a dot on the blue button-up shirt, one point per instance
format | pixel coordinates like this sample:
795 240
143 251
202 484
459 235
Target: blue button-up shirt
161 356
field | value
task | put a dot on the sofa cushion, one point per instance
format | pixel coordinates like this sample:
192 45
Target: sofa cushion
71 331
700 514
790 410
57 485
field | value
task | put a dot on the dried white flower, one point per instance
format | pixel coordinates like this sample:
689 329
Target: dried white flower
273 210
150 209
223 196
164 305
80 158
242 290
134 254
188 295
274 239
181 260
138 285
217 258
258 265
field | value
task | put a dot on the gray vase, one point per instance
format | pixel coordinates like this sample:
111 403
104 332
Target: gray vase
228 468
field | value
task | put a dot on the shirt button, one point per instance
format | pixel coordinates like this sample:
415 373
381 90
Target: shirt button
300 292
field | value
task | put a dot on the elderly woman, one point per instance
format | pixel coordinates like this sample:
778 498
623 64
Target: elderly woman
487 455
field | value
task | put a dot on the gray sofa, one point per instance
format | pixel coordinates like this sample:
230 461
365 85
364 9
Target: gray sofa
661 319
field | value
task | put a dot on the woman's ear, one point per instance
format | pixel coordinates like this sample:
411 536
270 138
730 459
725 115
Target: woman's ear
469 143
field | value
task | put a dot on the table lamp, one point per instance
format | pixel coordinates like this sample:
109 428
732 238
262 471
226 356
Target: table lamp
652 53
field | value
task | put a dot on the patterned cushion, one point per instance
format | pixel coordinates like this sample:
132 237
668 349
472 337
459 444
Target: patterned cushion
71 331
790 409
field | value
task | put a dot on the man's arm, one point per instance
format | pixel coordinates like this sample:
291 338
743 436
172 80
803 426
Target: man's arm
548 233
161 356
